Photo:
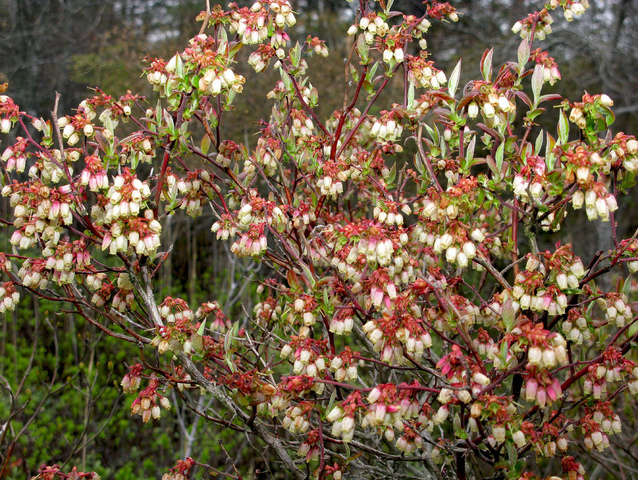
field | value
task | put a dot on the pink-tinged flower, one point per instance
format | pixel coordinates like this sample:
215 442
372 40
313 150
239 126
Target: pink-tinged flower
376 296
541 397
531 388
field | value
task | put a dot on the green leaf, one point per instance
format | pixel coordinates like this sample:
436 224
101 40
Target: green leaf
453 82
563 128
523 55
392 175
331 403
286 79
228 339
628 181
411 89
512 454
469 153
295 55
353 72
508 314
486 65
202 327
205 146
179 66
363 50
532 114
499 156
627 287
433 132
537 82
538 145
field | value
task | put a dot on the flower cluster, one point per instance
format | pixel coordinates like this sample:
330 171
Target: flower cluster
423 74
539 22
132 380
308 355
148 402
9 297
370 25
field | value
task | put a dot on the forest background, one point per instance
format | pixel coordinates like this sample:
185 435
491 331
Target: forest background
77 415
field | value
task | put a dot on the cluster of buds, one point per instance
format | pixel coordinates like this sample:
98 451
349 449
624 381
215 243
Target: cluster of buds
69 132
127 196
541 387
9 111
388 213
260 58
304 307
143 235
375 250
388 409
335 470
344 366
175 310
251 25
415 342
393 50
297 419
308 355
386 128
576 327
342 323
569 278
282 9
50 169
267 311
94 175
494 107
215 81
572 469
370 25
460 255
267 154
157 77
124 298
180 471
224 227
540 23
103 291
342 417
309 448
329 187
302 125
526 191
423 74
131 381
551 74
598 202
410 441
252 243
317 46
65 259
571 9
625 148
15 156
589 107
613 368
220 323
616 309
598 423
194 188
148 403
545 350
9 297
530 294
